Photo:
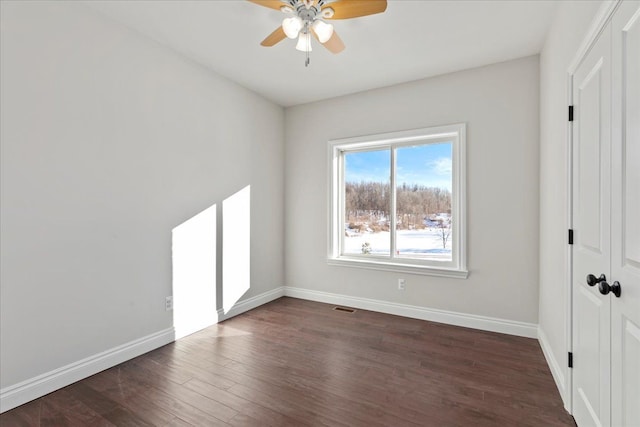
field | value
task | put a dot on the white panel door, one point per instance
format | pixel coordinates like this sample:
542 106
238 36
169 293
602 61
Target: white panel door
591 221
625 217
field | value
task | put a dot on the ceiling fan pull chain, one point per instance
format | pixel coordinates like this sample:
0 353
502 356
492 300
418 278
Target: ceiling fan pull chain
308 49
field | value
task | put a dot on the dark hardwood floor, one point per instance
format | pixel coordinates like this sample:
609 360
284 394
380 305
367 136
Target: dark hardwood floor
301 363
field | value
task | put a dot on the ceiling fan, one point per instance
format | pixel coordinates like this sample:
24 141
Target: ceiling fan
305 18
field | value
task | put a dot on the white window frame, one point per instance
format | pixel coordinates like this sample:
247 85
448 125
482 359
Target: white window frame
456 134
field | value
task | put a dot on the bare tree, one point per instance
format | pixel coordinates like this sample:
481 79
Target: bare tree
445 231
368 203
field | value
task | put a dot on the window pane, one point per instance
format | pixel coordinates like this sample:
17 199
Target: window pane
423 202
367 202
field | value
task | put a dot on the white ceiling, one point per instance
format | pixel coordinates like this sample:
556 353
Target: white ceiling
412 40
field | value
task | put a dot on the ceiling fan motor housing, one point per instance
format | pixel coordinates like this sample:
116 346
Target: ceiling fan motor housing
307 15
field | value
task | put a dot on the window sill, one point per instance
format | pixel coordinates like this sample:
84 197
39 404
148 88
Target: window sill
399 268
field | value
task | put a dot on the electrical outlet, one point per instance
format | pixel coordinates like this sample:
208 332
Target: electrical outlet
401 284
168 303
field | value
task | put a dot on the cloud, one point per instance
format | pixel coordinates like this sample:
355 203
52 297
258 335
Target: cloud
441 166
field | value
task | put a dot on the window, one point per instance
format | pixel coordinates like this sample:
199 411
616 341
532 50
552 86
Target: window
397 201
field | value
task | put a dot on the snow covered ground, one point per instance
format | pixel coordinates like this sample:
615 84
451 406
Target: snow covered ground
422 244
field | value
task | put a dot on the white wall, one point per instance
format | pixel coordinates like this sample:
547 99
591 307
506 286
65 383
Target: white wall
500 105
109 141
566 33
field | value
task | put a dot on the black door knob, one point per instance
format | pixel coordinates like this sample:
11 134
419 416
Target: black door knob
605 288
593 280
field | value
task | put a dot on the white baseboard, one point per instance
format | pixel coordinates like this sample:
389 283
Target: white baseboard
26 391
18 394
554 366
251 303
484 323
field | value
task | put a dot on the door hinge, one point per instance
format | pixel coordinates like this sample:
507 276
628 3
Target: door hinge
570 360
570 113
570 236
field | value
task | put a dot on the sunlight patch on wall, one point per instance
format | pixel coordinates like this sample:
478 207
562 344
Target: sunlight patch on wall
194 273
236 247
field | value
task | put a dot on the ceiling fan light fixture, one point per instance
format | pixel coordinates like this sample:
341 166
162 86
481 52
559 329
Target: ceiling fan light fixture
304 42
292 26
323 30
306 18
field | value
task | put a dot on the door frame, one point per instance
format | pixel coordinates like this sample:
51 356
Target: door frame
601 19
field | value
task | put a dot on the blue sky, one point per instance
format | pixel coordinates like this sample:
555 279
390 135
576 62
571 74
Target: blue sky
428 165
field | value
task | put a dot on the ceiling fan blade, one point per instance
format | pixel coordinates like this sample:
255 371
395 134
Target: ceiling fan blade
277 36
334 44
272 4
345 9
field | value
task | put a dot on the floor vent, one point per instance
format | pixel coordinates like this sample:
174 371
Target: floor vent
348 310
